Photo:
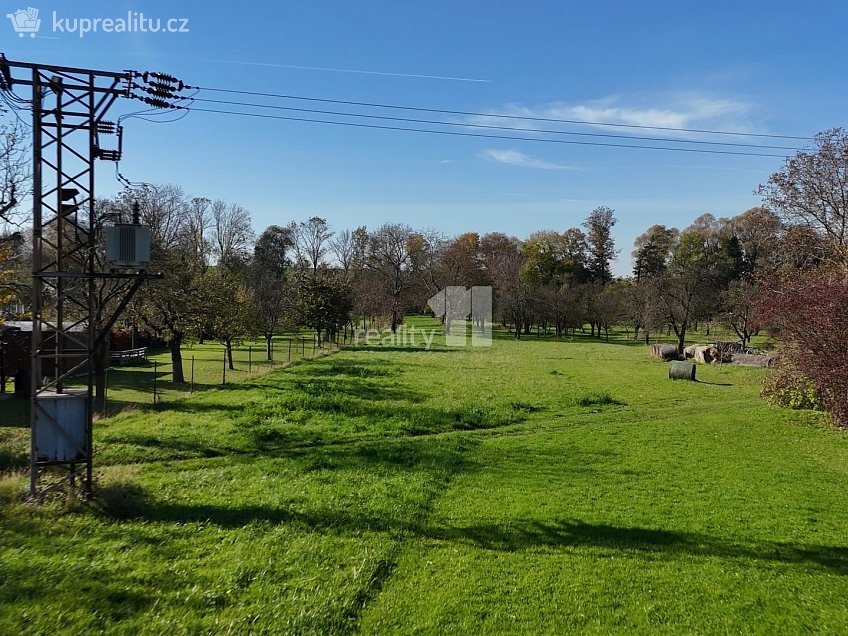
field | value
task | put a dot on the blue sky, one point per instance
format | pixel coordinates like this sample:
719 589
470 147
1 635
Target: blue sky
764 67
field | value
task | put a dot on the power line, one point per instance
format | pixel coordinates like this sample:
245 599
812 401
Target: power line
481 135
499 115
492 127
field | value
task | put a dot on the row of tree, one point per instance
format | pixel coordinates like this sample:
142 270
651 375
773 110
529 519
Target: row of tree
224 282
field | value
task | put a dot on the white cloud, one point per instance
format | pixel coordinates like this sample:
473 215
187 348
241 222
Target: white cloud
448 161
690 110
518 158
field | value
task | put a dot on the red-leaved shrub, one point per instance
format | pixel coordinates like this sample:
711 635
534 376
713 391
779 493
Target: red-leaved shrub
808 313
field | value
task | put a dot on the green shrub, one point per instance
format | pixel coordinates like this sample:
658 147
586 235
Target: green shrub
785 386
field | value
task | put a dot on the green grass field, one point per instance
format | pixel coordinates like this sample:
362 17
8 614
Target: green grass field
534 486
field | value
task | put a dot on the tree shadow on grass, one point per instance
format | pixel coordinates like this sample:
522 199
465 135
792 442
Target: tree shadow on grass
667 543
170 448
15 412
131 502
434 348
108 592
438 459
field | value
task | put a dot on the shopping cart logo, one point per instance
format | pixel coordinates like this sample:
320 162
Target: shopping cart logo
25 21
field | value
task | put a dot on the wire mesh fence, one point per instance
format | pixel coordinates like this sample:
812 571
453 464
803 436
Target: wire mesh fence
203 366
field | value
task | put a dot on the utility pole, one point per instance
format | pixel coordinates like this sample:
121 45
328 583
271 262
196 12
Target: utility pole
69 126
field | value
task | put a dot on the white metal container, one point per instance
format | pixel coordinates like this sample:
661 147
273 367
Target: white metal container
60 424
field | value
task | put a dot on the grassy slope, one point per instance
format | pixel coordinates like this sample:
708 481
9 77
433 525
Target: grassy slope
534 486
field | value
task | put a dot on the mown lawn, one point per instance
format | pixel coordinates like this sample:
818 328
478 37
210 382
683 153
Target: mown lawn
537 486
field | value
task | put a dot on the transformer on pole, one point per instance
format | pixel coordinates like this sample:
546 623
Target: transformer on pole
69 106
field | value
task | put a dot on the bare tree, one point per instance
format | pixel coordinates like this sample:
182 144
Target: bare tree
812 189
503 263
343 247
164 210
15 174
311 242
198 223
173 306
646 307
390 257
609 307
739 302
232 235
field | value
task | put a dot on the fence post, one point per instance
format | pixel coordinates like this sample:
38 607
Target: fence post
302 347
249 360
191 386
105 389
155 374
313 347
290 342
224 377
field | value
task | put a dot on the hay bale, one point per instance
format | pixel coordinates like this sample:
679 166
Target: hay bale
664 351
679 370
689 352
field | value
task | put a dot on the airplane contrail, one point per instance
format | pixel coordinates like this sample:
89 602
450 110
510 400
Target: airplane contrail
350 70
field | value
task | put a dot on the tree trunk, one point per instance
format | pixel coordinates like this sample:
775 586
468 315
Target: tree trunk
268 355
174 345
228 343
681 339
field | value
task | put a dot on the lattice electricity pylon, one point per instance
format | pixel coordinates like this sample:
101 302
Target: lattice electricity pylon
68 114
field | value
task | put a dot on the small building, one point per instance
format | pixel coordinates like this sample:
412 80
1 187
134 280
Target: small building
16 348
